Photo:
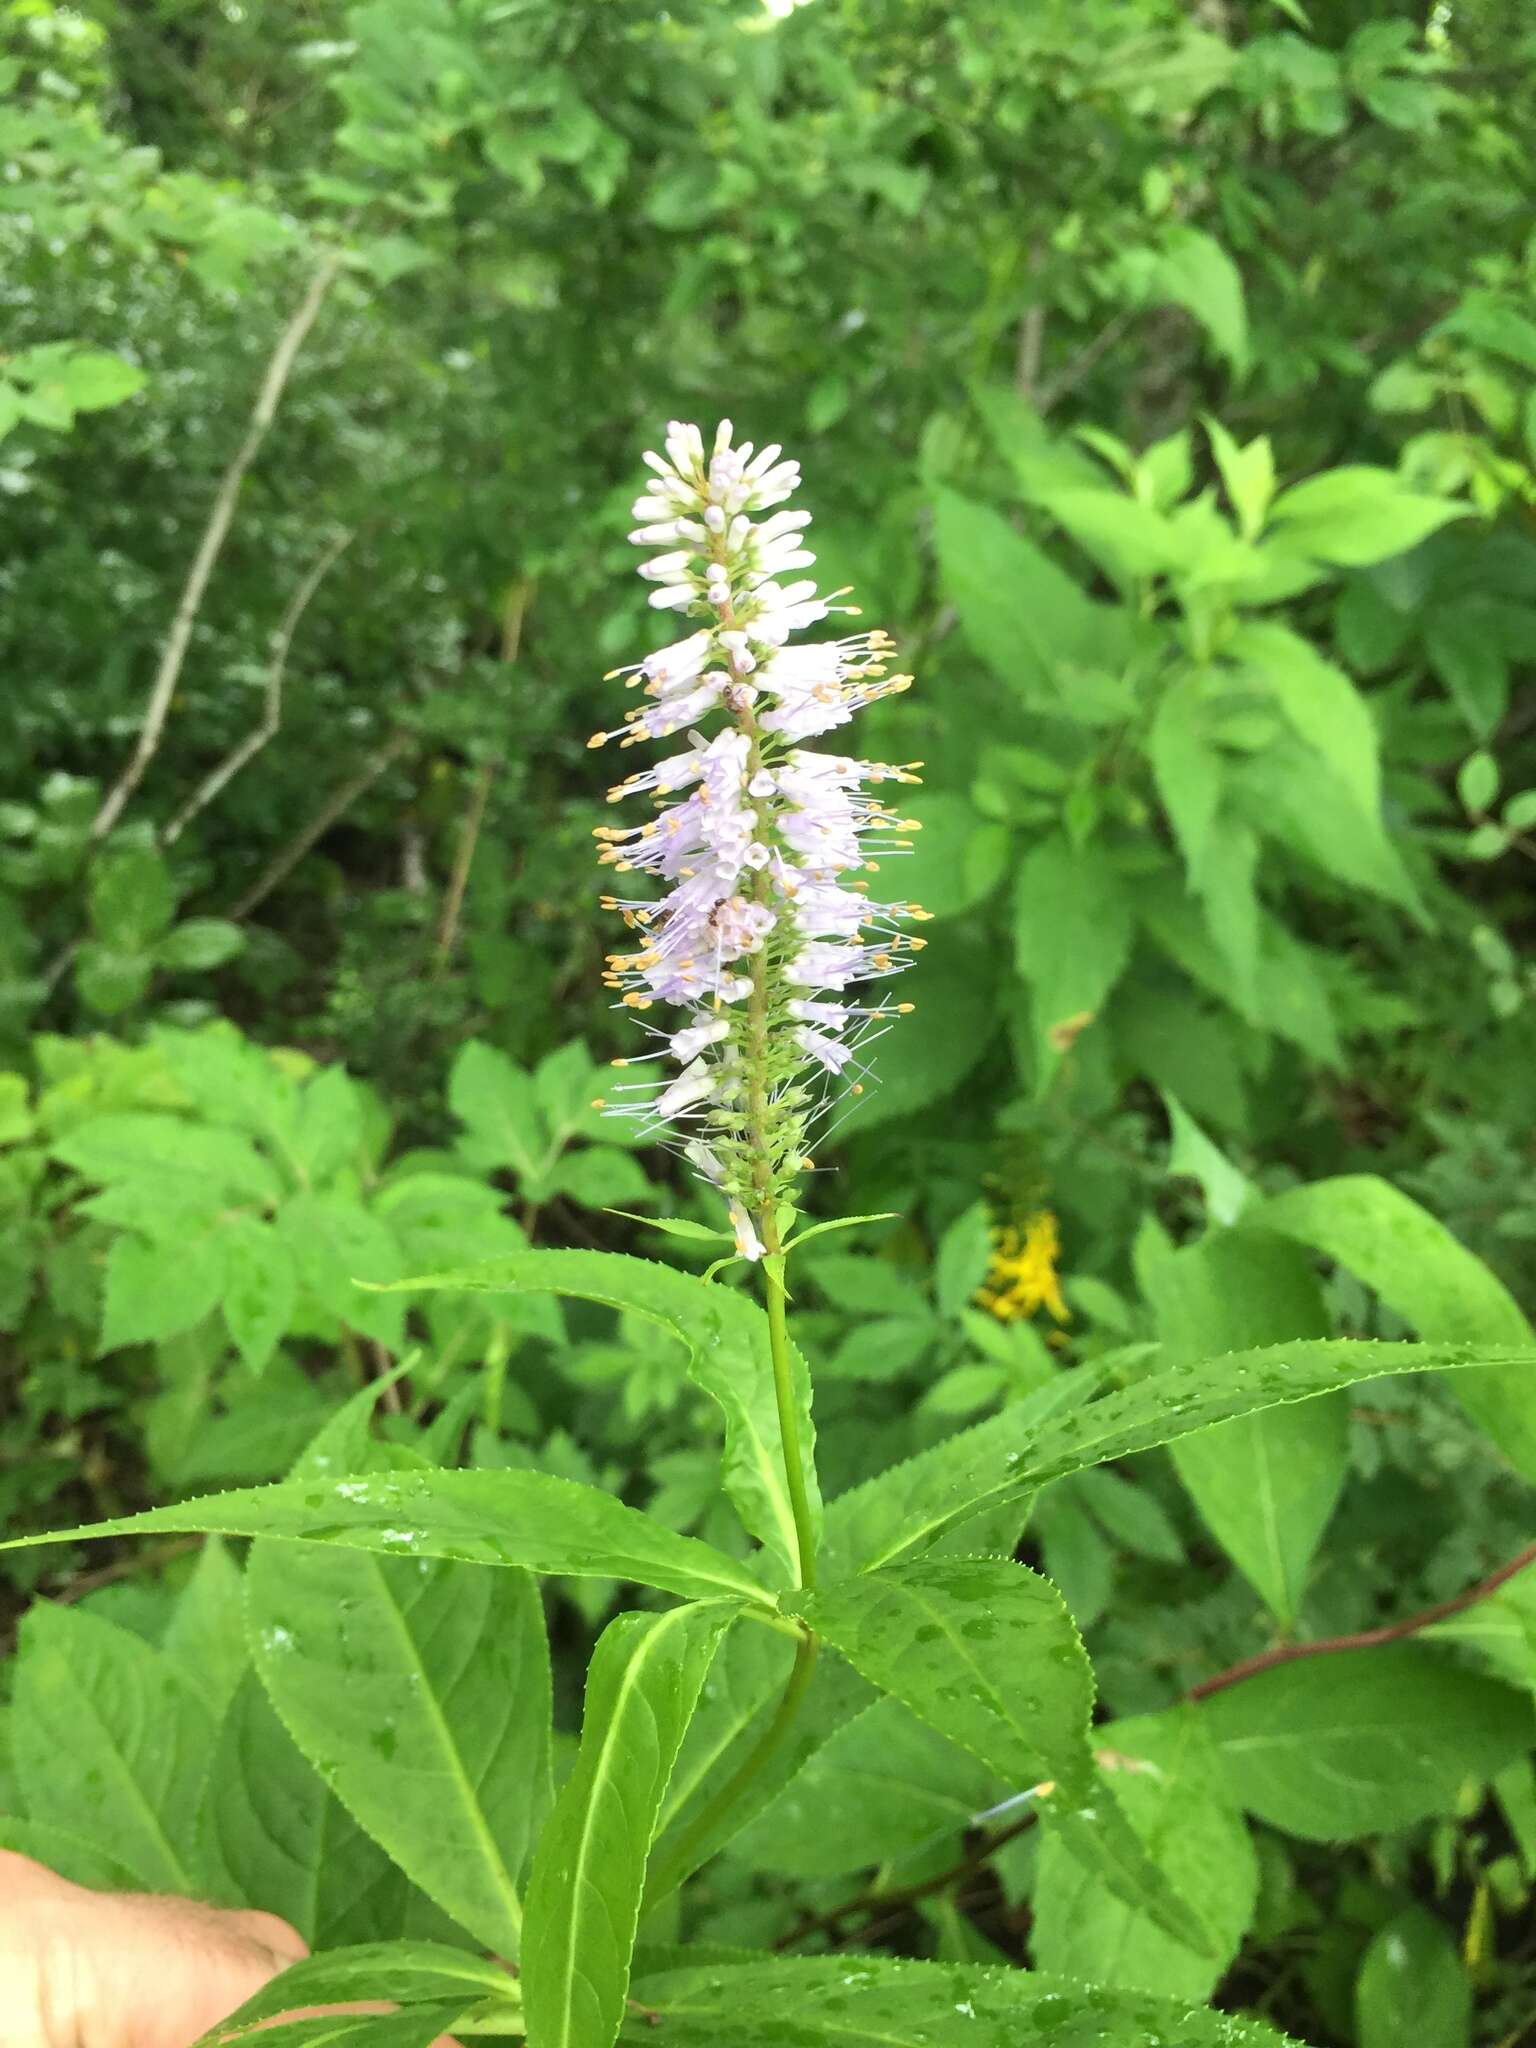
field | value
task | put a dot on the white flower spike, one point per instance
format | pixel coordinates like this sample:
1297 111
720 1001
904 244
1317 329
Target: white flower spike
759 932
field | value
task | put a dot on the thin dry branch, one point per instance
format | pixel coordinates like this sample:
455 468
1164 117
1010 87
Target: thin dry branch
163 689
272 711
288 857
519 597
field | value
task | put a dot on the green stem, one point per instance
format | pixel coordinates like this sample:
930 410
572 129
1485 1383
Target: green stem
774 1300
694 1841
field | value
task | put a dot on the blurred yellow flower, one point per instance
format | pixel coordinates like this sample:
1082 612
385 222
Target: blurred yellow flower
1022 1276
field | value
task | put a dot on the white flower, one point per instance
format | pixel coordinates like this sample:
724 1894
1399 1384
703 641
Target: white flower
754 928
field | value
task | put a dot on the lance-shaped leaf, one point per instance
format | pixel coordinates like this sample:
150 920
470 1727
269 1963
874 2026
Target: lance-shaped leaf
531 1519
859 2001
407 1973
419 2026
1434 1283
419 1689
986 1652
726 1336
1014 1454
589 1870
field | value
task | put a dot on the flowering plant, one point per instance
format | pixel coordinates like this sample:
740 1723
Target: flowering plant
395 1629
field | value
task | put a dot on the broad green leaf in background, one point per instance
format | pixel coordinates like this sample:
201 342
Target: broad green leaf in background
155 1291
1023 615
1436 1285
1355 1743
1187 768
1015 1453
1072 938
498 1105
206 1631
139 1146
277 1838
76 1857
260 1288
985 1651
728 1356
1355 515
345 1256
1265 1484
532 1519
1321 703
1166 1774
954 987
883 1786
956 860
419 1689
588 1874
869 2001
1413 1986
1194 271
110 1743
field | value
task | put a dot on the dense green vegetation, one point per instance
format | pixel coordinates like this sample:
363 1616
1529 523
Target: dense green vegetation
1164 379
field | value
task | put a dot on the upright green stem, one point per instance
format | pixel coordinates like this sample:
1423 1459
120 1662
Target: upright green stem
694 1842
784 1395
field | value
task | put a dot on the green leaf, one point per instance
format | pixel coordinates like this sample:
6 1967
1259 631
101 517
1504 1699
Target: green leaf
924 1057
1412 1986
420 2026
1024 617
1266 1484
420 1692
589 1871
1166 1774
844 1812
206 1632
155 1291
528 1519
1187 768
110 981
1477 782
601 1176
1072 940
94 380
260 1288
342 1252
132 899
1355 515
1333 1748
1195 272
1248 473
498 1105
407 1973
109 1743
985 1651
199 944
1015 1453
1435 1284
1228 1192
870 2001
1127 539
136 1145
278 1838
957 859
71 1856
1321 703
729 1357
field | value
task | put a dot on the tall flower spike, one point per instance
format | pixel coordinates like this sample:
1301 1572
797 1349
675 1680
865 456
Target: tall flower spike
761 931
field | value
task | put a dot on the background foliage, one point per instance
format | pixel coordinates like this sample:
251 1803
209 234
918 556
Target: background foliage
1165 379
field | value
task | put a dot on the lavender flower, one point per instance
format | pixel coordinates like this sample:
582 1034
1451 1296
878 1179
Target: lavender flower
763 928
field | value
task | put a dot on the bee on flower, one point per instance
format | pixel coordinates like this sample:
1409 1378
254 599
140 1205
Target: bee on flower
756 920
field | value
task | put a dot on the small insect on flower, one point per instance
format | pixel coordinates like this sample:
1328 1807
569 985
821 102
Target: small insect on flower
757 933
